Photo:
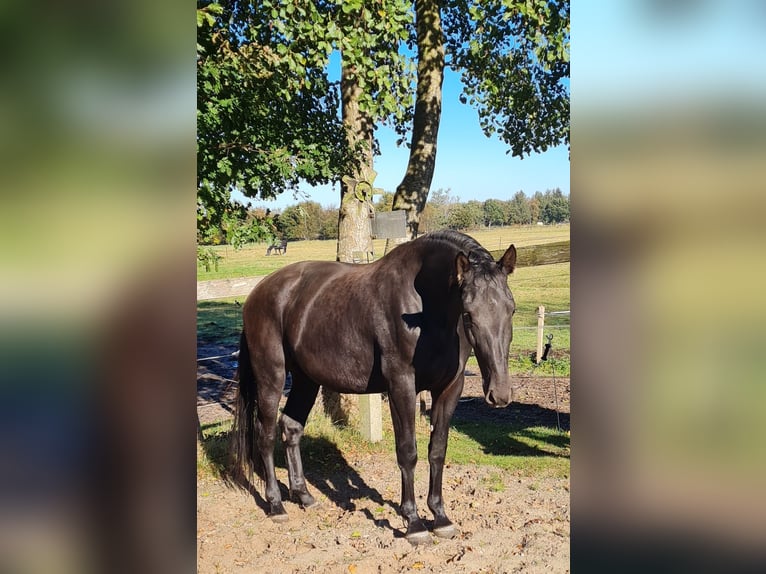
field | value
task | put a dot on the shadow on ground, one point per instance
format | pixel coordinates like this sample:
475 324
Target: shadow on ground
496 429
328 471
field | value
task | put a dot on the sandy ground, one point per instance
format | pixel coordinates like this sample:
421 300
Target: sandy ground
514 524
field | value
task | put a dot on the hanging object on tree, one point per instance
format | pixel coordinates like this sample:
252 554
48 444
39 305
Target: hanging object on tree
361 187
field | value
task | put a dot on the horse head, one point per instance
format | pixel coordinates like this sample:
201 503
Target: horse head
487 311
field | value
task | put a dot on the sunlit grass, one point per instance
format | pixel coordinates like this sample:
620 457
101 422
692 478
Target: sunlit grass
220 321
253 261
535 451
523 451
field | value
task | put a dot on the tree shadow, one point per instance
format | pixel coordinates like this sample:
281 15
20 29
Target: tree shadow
331 474
495 429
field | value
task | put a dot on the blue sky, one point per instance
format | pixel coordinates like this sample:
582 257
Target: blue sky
645 52
627 54
468 163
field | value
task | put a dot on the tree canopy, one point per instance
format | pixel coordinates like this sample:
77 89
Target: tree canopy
513 58
264 122
268 111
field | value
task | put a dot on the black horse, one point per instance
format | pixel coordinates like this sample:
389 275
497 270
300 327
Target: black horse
280 247
403 324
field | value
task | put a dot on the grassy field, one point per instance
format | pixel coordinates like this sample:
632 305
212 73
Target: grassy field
220 321
252 260
511 447
536 451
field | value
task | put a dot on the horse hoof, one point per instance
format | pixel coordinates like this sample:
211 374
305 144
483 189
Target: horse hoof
279 518
304 500
447 531
416 538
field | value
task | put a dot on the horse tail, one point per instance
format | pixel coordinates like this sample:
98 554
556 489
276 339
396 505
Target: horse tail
244 456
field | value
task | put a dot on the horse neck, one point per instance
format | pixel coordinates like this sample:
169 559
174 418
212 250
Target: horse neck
435 283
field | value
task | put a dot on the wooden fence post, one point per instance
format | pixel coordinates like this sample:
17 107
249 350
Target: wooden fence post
371 415
540 325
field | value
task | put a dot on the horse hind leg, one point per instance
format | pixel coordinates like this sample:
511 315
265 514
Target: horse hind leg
262 379
265 432
292 423
269 379
292 431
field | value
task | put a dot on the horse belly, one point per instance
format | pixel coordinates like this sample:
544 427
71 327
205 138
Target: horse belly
332 330
338 361
339 372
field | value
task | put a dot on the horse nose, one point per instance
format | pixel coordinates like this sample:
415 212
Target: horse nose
497 399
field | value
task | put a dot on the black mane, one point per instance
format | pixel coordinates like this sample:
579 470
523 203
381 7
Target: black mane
463 242
479 257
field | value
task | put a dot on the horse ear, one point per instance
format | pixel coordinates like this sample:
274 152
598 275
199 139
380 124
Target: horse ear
508 261
462 266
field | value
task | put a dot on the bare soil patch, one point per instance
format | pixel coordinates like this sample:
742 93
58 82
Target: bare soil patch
507 522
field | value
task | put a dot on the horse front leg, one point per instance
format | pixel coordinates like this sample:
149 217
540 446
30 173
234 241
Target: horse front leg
442 408
403 416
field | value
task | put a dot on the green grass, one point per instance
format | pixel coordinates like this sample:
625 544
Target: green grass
211 462
546 285
532 451
510 447
535 451
252 260
220 321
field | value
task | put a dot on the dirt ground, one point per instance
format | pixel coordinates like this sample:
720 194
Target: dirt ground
514 524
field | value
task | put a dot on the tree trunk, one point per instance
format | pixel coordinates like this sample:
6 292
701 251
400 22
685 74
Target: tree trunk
354 217
412 192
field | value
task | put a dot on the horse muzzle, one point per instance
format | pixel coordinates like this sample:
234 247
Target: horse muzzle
499 397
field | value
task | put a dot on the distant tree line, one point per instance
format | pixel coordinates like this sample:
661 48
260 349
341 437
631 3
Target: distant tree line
306 220
444 210
309 220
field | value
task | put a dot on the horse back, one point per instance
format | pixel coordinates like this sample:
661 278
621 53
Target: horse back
351 327
335 321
